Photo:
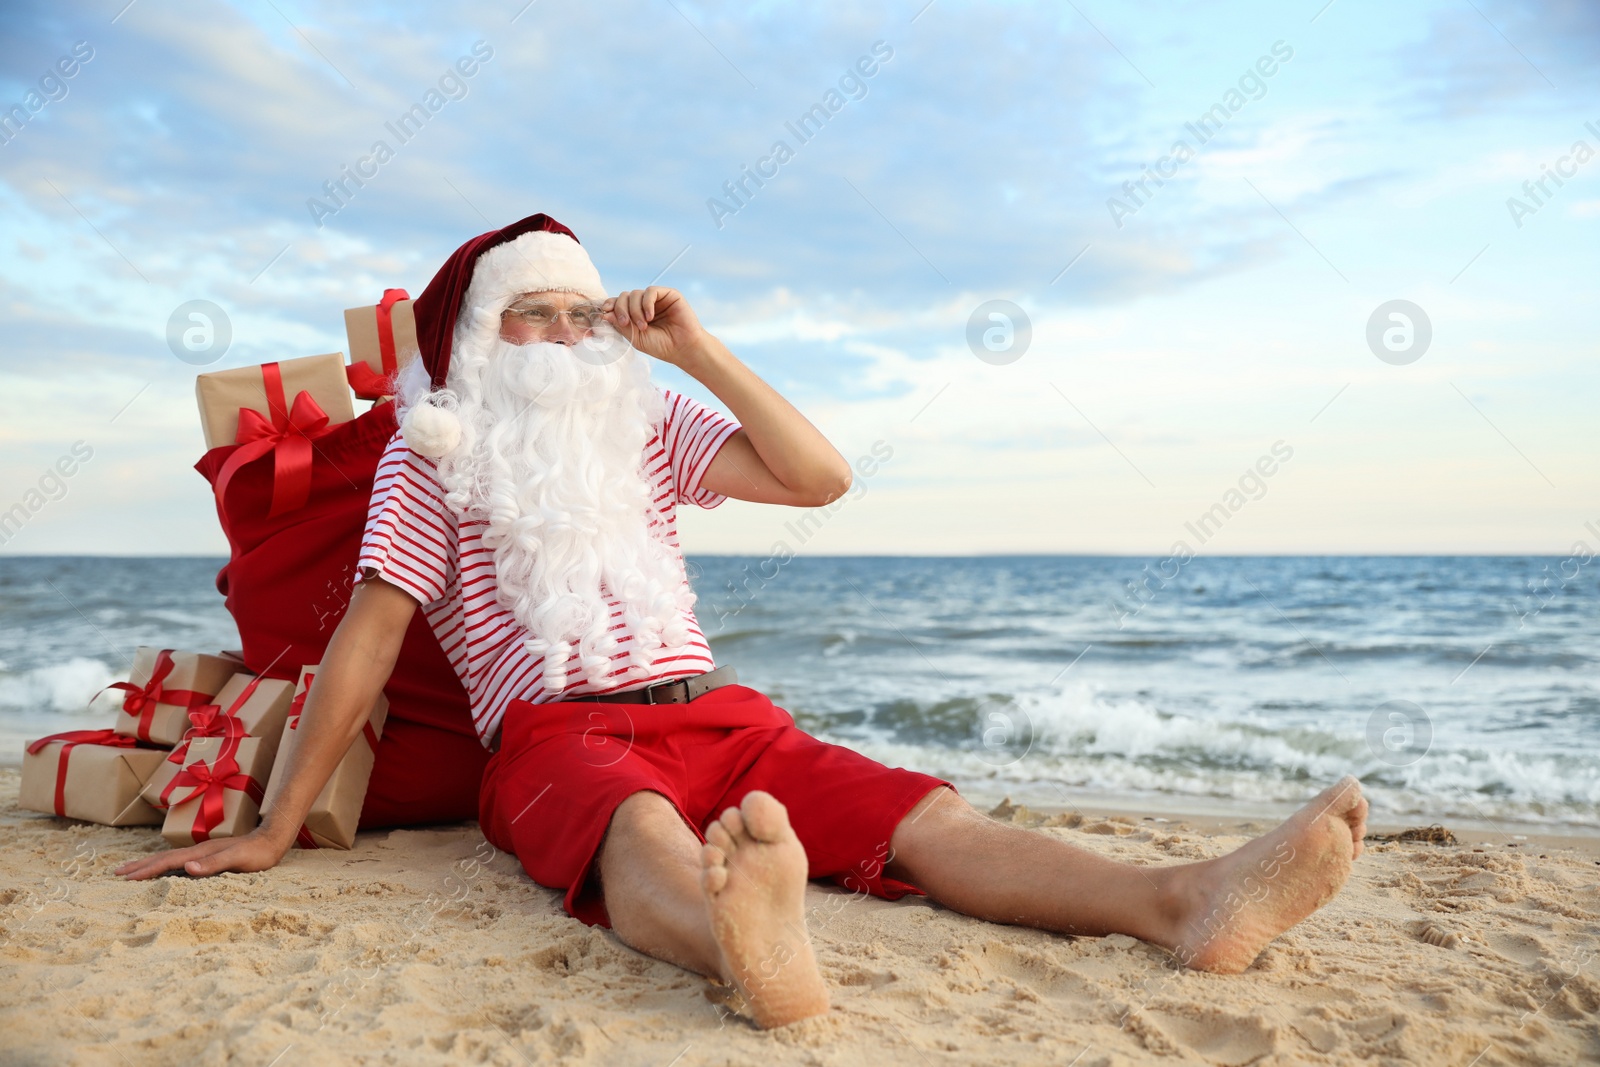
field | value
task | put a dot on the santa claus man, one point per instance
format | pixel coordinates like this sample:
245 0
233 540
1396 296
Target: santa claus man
528 508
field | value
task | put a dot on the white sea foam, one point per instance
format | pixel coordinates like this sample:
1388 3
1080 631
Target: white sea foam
1081 721
58 687
1085 742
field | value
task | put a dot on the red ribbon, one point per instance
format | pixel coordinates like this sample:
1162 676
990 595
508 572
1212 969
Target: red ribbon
141 701
367 383
211 784
209 720
287 436
70 740
298 704
303 836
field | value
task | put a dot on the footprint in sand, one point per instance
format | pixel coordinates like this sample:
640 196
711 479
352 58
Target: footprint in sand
1434 934
1218 1037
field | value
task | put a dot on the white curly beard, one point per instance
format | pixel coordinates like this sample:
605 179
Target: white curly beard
551 457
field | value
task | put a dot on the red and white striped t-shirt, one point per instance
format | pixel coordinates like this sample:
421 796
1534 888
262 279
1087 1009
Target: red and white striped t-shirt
413 541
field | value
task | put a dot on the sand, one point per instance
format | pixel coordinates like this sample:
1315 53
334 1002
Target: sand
424 946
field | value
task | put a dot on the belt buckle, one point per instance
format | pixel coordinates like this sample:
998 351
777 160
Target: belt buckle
668 688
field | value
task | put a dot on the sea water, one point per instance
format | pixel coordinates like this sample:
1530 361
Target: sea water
1463 688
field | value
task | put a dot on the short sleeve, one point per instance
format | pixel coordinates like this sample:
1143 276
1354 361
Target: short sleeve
409 535
693 434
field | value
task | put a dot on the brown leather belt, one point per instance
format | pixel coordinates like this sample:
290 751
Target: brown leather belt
678 691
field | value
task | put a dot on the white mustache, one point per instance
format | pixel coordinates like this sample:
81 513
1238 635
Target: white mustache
551 375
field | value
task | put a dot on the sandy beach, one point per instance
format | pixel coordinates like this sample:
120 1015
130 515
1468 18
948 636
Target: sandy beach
425 946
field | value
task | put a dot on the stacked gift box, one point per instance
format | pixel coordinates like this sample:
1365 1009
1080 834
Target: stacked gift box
99 775
214 780
198 741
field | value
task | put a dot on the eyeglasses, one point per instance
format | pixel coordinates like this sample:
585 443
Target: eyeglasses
542 316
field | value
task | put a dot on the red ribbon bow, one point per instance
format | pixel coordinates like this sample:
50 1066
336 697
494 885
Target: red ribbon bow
70 740
367 383
303 836
141 700
287 436
209 720
211 784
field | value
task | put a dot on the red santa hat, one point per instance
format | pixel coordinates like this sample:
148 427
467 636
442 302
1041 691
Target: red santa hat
476 284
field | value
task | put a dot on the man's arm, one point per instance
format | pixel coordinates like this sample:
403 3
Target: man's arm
777 457
355 668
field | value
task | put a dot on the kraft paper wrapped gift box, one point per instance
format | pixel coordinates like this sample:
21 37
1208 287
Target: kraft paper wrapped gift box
331 822
218 792
248 706
94 775
164 686
382 336
271 390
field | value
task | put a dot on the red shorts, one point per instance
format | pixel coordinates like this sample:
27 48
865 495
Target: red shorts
562 769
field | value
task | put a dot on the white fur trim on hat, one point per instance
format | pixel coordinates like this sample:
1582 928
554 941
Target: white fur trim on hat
535 262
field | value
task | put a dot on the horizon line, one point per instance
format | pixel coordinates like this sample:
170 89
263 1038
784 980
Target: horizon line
916 555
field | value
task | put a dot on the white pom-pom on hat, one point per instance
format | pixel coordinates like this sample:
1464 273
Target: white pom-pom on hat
430 430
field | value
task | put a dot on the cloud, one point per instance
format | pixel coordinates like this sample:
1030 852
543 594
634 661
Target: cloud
1483 57
976 165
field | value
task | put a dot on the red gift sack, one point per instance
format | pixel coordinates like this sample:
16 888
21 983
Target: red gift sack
287 584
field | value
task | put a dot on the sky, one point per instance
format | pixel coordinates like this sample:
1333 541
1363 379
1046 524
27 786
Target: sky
1197 217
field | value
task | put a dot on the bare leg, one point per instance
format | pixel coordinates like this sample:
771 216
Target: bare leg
732 910
1215 915
650 870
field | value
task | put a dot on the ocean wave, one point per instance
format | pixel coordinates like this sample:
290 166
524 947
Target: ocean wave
1064 780
65 686
1080 739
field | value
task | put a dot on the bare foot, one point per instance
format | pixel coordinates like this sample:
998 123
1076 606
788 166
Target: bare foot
1238 903
755 885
